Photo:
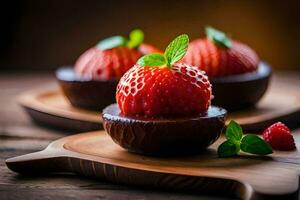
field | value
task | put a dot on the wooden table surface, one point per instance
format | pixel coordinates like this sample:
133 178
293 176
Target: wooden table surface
18 135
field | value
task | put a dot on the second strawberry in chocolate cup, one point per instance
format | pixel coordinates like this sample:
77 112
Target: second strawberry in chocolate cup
238 76
91 84
163 107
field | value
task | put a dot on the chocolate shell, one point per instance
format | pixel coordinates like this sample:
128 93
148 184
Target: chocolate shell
86 93
165 136
241 91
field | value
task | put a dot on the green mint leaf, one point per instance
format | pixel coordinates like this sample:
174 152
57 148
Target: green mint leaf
136 37
152 60
176 49
254 144
218 37
228 148
234 131
112 42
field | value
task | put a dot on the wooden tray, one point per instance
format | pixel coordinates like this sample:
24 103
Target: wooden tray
95 155
49 107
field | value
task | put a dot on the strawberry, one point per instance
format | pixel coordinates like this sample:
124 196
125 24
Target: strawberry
279 137
158 86
154 91
220 56
113 56
107 64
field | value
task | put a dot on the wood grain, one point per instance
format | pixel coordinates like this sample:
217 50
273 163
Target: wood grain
95 155
19 136
52 109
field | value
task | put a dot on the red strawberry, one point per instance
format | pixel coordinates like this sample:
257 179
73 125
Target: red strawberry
217 61
113 56
163 91
107 64
279 137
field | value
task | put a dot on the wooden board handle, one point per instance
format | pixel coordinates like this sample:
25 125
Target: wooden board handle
38 163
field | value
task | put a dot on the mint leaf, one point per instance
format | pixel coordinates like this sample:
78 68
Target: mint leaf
176 49
152 60
234 131
112 42
218 37
174 52
254 144
228 148
136 38
235 142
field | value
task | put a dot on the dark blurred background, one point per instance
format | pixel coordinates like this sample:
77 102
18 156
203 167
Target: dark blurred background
45 34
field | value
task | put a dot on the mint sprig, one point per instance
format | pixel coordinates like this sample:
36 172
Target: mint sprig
236 141
228 148
152 60
136 37
176 49
253 144
218 37
234 131
112 42
173 53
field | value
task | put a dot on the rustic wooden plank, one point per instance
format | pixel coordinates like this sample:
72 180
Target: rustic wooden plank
68 186
18 136
95 155
30 131
97 194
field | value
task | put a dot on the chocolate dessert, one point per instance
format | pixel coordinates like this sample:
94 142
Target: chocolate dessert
238 76
163 107
91 84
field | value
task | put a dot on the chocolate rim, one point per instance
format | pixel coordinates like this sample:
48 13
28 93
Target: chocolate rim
241 91
164 136
231 92
67 73
263 71
84 92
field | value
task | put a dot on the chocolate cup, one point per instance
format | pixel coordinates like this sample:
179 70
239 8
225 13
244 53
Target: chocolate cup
241 91
165 136
86 93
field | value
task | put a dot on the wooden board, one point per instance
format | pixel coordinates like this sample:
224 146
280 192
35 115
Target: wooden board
50 107
95 155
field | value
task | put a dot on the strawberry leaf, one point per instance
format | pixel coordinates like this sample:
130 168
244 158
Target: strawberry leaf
218 37
176 49
152 60
136 38
111 42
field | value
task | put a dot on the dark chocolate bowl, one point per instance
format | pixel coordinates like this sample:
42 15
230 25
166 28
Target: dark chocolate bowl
165 136
241 91
86 93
